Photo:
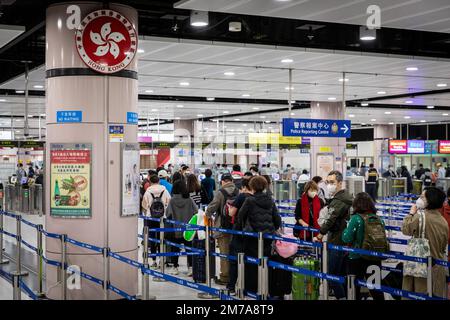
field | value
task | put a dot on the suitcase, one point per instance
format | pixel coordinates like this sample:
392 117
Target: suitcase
199 261
280 281
305 287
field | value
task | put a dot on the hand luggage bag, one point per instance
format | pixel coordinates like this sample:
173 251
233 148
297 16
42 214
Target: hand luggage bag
305 287
280 281
199 261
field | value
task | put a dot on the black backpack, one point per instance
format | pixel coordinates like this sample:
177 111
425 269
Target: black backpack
225 219
427 181
157 208
205 197
447 172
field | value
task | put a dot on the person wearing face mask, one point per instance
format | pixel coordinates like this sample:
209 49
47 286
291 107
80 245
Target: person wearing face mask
390 173
333 226
436 231
307 210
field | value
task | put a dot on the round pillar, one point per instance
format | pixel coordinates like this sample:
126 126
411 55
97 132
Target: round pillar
381 134
327 154
104 100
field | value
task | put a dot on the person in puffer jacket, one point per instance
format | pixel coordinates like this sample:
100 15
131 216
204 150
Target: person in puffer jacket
258 214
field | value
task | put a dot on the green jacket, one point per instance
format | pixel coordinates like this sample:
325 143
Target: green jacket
354 233
339 211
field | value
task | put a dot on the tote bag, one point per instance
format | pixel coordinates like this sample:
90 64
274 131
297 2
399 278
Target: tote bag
418 247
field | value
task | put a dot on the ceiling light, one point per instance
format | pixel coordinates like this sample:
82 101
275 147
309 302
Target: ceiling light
407 117
430 107
199 18
237 119
18 120
423 121
332 98
177 118
287 60
289 88
148 91
391 123
184 84
364 104
154 110
210 99
255 108
244 124
17 131
246 95
342 80
293 101
180 106
388 112
199 115
226 112
445 114
140 50
267 121
381 92
20 91
363 124
292 114
409 101
366 34
229 73
30 116
42 115
351 115
373 120
441 85
38 86
412 69
235 26
2 100
262 117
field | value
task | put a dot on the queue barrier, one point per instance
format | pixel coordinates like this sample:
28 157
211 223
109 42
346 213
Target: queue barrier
207 288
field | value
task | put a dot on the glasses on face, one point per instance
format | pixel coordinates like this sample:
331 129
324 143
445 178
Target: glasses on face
330 182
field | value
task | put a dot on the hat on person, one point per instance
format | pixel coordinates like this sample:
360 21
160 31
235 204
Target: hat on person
163 174
226 176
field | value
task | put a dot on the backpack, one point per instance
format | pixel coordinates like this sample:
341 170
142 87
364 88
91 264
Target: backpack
237 180
225 218
374 236
427 181
447 172
205 197
157 208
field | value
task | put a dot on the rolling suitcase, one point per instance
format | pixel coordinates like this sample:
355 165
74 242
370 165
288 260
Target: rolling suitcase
305 287
199 261
280 281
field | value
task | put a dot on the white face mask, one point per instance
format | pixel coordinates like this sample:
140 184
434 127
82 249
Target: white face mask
331 188
312 194
421 204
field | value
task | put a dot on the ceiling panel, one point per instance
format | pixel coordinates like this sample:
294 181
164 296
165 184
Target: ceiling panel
426 15
9 33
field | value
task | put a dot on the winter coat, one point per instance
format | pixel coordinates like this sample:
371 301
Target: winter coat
259 214
215 207
156 190
182 210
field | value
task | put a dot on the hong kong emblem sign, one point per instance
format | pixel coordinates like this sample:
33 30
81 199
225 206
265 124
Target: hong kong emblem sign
106 41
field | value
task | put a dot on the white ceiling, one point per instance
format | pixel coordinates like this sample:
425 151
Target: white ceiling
9 33
426 15
260 73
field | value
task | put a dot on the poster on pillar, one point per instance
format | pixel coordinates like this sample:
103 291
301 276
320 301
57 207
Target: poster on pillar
70 180
130 202
325 164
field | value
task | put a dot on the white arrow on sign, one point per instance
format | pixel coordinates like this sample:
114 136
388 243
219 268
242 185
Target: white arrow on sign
345 128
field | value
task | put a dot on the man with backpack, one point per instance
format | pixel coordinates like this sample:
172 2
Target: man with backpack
237 176
218 210
333 225
154 204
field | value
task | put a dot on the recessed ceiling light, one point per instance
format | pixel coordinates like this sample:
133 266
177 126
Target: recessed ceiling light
177 118
342 80
226 112
148 91
409 101
229 73
293 101
140 50
366 34
237 119
180 106
407 117
364 104
199 18
2 100
289 88
441 85
199 115
423 121
363 124
154 110
332 98
211 99
388 112
445 114
267 121
17 131
255 108
184 84
42 115
390 123
262 117
38 86
430 107
373 120
412 69
292 114
20 91
351 115
30 116
18 120
244 124
381 92
246 95
287 60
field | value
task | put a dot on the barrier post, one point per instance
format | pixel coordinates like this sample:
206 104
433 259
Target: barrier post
63 274
19 271
40 253
430 276
260 262
2 261
17 292
351 289
240 283
264 291
145 264
106 273
162 249
390 222
325 269
205 295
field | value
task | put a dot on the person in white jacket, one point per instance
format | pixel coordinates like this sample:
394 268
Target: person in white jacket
157 191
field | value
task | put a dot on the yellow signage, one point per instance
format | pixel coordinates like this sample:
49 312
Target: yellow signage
325 149
272 138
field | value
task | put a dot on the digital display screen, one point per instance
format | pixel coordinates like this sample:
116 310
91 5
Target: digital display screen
444 146
416 146
398 146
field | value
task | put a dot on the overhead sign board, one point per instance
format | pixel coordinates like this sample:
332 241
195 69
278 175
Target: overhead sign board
444 146
398 146
316 128
416 146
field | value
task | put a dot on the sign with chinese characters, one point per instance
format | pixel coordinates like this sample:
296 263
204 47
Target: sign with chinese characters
444 146
70 180
398 146
132 118
116 133
69 116
130 179
316 128
416 146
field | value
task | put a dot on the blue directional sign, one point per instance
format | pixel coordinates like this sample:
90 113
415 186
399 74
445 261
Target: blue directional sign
69 116
132 118
316 128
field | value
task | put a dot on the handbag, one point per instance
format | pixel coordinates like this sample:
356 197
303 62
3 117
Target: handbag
417 247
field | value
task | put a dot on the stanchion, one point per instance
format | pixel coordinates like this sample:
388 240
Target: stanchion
63 274
19 271
351 289
240 283
264 291
204 295
260 262
390 222
430 276
325 269
2 261
162 249
17 292
106 273
40 263
144 276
